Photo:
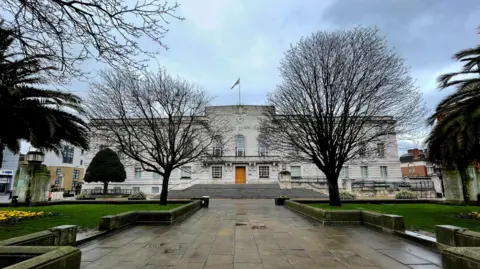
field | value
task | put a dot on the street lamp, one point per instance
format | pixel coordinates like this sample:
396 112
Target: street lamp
35 157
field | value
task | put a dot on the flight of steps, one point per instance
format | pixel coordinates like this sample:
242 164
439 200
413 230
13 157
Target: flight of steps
246 191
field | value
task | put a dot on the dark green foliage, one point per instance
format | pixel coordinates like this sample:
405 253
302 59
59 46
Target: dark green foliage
45 118
454 141
105 167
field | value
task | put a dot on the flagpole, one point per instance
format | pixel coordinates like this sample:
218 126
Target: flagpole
239 100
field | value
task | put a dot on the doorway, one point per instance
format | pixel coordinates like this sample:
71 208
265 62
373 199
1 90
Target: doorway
240 175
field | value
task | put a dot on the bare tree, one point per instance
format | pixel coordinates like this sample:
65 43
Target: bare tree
342 93
66 32
156 121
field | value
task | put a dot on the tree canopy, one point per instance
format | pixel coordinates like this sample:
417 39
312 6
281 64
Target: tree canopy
105 167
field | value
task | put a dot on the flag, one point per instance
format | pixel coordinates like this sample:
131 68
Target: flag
236 83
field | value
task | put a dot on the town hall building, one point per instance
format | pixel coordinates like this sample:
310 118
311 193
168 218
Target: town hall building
251 162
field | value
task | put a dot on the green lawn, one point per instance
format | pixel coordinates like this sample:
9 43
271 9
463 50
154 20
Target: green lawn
86 216
420 216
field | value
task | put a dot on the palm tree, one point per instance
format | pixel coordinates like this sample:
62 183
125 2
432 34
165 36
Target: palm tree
454 140
45 118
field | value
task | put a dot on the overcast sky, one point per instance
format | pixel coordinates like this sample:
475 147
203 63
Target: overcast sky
222 40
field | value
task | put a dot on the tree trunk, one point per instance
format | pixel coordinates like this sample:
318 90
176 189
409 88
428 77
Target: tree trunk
2 148
164 193
465 181
105 187
333 192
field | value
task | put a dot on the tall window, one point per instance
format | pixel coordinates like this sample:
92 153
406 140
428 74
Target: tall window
76 174
364 171
296 172
59 171
240 139
380 150
344 172
264 171
411 171
67 154
217 172
138 172
383 172
362 152
217 146
186 172
135 189
155 189
81 162
262 149
430 170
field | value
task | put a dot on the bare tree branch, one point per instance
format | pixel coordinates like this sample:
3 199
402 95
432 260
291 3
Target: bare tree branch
71 32
157 121
342 93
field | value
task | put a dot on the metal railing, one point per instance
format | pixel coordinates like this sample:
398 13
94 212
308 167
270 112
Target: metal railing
109 191
414 186
317 180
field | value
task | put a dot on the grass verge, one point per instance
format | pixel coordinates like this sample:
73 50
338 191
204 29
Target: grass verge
85 216
419 216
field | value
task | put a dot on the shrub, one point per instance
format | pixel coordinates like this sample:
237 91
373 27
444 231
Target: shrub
345 195
83 195
406 195
138 195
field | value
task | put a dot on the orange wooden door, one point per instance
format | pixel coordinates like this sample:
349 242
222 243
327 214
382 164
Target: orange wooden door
240 176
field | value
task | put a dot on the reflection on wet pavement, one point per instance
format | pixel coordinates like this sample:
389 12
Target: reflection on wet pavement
254 234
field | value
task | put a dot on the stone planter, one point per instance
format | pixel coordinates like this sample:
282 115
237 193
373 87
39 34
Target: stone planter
85 199
281 200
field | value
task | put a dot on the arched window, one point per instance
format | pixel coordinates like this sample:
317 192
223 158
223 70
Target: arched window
240 139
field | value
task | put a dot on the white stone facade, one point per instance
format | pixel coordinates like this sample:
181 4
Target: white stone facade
260 166
8 170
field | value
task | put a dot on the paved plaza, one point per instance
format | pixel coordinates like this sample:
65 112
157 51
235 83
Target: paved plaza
253 234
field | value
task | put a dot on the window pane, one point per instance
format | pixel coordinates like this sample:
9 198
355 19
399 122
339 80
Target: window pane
138 172
240 141
217 171
383 171
217 151
344 172
185 172
263 171
381 150
295 171
364 170
136 189
155 189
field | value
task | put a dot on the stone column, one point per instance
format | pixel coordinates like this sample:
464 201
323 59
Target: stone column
453 185
64 235
285 179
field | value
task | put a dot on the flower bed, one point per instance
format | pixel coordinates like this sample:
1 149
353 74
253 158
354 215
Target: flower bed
11 217
473 215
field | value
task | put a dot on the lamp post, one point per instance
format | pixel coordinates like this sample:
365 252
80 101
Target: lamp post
34 159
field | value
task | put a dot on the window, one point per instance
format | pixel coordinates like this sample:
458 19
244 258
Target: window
364 171
262 149
185 172
430 170
383 172
76 174
380 150
216 172
344 172
295 171
59 171
138 172
155 189
67 154
263 171
81 162
217 151
135 189
362 151
82 152
411 170
240 145
156 175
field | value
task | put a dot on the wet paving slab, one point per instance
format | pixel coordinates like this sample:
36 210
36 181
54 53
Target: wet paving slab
252 234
